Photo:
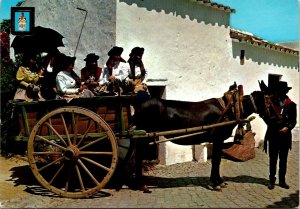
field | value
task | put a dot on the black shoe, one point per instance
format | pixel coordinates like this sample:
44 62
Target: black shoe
271 186
284 185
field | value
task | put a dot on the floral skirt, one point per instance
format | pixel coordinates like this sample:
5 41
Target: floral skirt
21 94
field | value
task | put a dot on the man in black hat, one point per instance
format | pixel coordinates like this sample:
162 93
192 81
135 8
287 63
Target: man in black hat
281 119
90 74
114 73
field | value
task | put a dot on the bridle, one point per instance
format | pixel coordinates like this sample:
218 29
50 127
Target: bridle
268 105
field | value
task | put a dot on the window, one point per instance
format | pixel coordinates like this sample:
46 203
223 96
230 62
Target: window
242 57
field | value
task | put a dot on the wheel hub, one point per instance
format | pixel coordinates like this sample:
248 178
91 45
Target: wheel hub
72 153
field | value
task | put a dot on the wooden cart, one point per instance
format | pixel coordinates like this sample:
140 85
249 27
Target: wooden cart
73 147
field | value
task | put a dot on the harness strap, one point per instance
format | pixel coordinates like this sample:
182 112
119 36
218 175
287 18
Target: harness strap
276 110
222 103
253 103
269 104
225 108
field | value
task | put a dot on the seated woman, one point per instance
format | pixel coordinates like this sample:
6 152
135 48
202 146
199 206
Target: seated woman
114 73
137 73
68 83
28 77
90 74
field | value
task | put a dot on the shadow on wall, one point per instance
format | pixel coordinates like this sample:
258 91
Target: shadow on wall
185 9
264 55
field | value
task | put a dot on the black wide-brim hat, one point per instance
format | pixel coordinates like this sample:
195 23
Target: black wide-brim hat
273 80
91 57
69 59
137 51
274 84
115 51
282 86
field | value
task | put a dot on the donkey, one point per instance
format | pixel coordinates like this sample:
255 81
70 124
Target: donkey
156 115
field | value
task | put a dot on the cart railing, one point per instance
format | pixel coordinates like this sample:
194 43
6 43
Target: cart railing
27 113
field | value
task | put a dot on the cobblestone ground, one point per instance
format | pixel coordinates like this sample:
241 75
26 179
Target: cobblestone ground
184 185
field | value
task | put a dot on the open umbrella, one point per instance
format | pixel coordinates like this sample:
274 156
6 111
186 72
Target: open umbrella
41 40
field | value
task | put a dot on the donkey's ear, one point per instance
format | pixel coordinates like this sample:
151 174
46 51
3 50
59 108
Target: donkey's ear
263 87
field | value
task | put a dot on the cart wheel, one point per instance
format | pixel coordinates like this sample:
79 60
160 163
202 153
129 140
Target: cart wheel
72 152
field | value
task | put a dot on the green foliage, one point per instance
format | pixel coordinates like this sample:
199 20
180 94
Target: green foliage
5 25
8 76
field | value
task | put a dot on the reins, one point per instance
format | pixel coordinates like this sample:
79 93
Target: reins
269 104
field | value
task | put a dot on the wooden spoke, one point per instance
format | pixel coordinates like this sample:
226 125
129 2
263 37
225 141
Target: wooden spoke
93 142
47 153
75 127
97 164
56 133
56 174
79 178
66 129
50 122
52 163
95 153
50 142
86 132
88 172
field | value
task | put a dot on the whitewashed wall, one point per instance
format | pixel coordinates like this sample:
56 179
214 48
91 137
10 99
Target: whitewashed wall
183 41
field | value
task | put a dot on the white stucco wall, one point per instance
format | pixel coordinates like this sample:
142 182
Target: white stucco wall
181 44
189 44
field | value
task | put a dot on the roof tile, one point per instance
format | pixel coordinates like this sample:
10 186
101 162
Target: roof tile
256 41
216 5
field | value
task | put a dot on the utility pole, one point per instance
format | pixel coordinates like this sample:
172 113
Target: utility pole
86 12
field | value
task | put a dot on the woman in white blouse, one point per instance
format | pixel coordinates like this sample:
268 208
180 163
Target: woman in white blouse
68 82
114 72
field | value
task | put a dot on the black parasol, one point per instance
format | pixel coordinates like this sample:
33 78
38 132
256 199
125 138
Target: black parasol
41 40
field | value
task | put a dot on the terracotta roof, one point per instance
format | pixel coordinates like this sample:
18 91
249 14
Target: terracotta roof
215 5
249 38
